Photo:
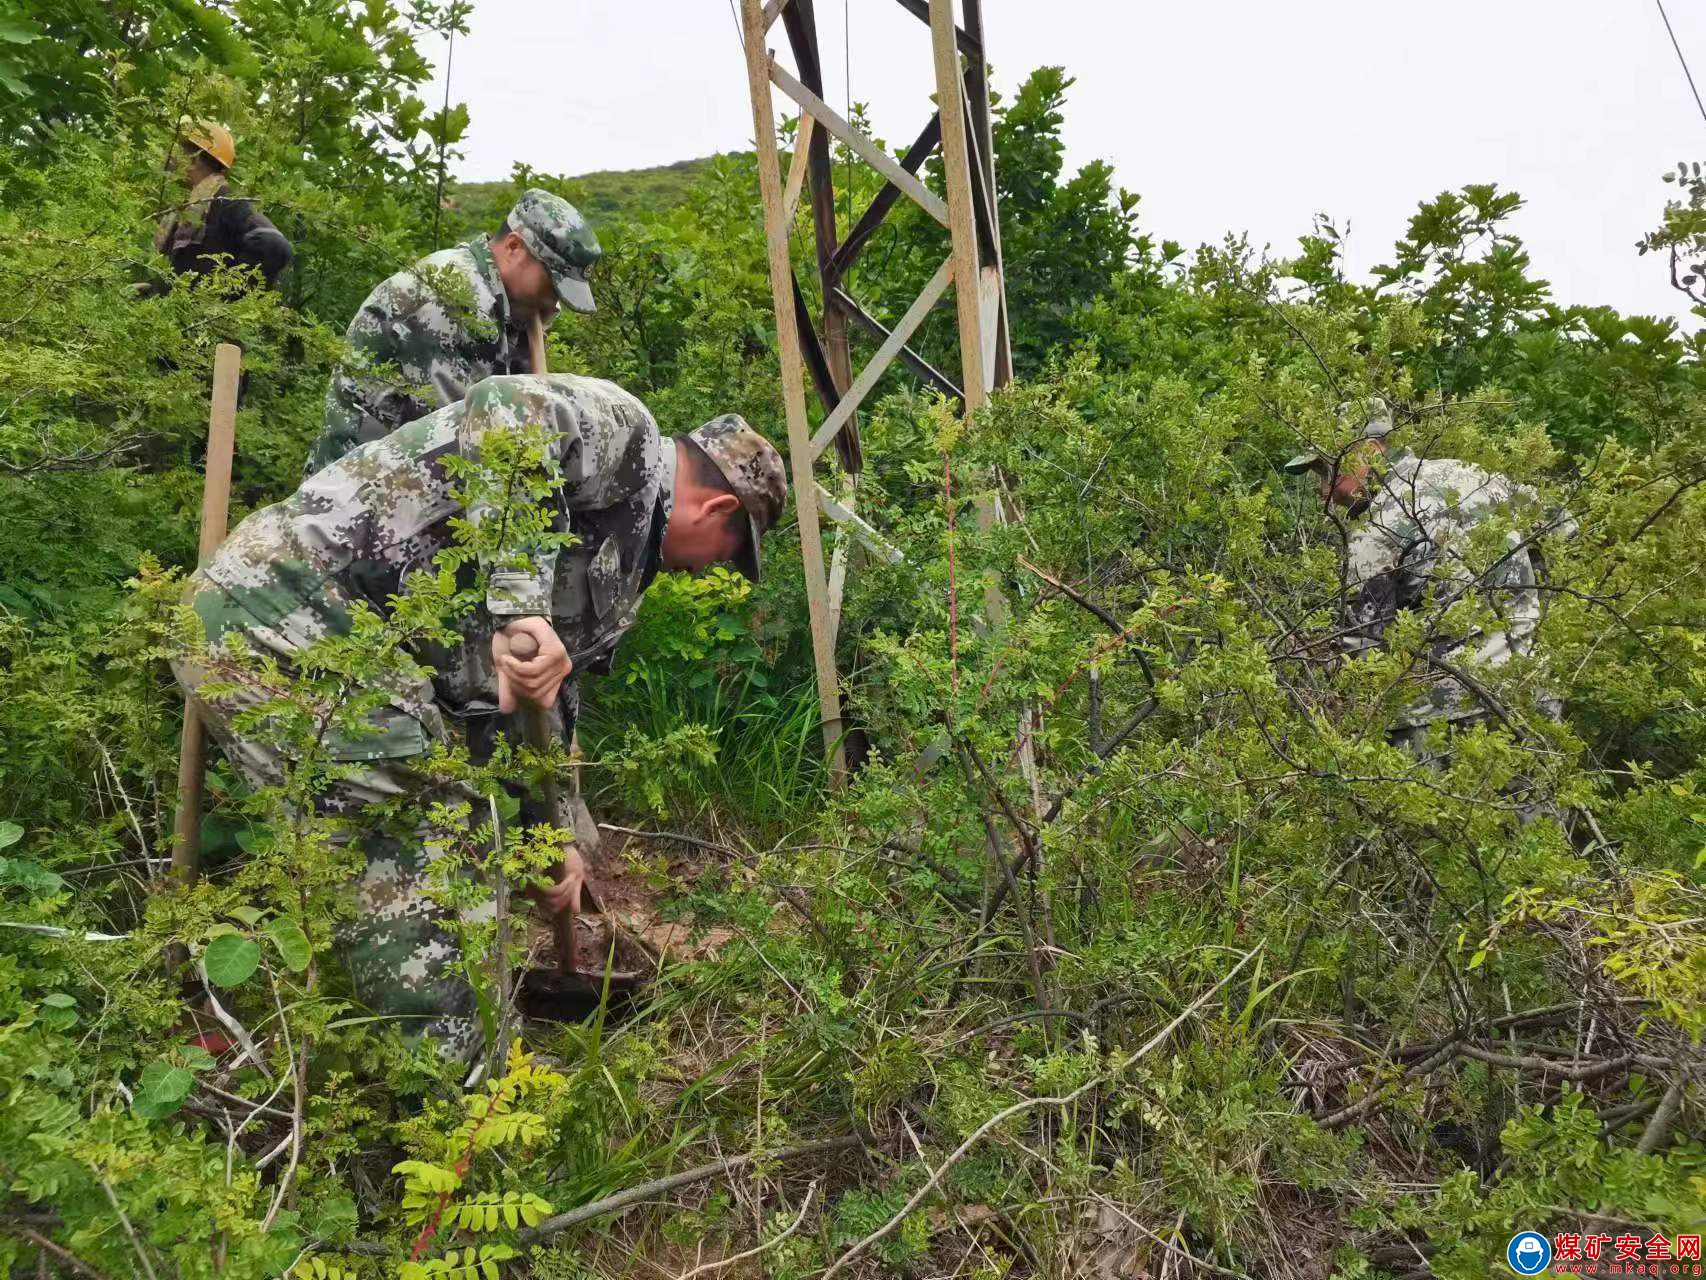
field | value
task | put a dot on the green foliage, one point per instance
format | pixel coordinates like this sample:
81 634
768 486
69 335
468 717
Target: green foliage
694 717
1201 779
476 1262
605 196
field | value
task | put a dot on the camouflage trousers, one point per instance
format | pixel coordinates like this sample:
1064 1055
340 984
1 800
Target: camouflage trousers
403 958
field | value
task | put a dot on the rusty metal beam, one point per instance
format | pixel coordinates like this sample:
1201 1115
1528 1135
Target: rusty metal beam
970 45
917 363
800 20
828 394
926 142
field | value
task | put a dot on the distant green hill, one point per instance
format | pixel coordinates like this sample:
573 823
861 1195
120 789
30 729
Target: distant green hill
604 196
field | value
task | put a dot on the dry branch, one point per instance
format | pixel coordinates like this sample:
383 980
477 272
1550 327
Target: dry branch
1008 1112
687 1177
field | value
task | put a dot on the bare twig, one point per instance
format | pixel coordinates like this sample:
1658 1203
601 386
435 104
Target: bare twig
1007 1113
1090 606
1576 1072
299 1071
84 459
1682 488
1658 1128
47 1246
671 835
130 1231
687 1177
254 1107
708 1267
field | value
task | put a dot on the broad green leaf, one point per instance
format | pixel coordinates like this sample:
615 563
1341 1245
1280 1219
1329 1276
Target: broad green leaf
195 1057
162 1080
250 916
10 834
59 1010
291 942
161 1090
230 959
30 875
338 1217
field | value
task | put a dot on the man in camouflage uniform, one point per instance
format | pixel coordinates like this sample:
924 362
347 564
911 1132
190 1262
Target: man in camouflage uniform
355 531
428 334
1412 547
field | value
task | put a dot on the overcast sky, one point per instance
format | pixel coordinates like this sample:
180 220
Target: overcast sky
1224 115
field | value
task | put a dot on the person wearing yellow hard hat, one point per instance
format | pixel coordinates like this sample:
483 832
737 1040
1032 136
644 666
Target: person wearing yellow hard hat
209 227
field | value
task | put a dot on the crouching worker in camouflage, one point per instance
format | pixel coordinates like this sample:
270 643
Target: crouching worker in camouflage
1411 547
426 335
353 535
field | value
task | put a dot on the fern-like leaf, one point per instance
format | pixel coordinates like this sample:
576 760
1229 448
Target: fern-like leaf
459 1264
319 1268
488 1211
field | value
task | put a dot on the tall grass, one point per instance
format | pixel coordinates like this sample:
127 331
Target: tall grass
769 772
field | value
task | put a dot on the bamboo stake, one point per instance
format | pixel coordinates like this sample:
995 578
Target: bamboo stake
215 513
956 171
759 66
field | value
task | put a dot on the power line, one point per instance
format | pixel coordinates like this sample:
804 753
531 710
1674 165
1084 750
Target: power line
1681 58
444 133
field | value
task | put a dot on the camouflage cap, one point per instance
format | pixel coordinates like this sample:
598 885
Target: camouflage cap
1377 424
556 234
754 471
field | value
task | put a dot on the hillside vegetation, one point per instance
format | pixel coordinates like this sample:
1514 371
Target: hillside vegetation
603 196
1136 947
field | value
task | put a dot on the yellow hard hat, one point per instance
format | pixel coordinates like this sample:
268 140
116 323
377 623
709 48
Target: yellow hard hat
212 137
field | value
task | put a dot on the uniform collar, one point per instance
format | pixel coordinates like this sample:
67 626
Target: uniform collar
666 484
481 250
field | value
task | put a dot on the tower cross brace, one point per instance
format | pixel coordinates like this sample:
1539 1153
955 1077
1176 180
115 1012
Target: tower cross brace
818 344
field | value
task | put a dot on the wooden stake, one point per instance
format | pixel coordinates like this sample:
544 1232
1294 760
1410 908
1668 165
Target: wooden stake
797 169
215 513
758 70
961 227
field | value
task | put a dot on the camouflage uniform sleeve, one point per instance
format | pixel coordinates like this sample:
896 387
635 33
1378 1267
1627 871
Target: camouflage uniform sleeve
1376 568
370 396
605 450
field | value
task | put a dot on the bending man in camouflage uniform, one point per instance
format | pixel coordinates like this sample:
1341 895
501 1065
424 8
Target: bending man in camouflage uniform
1412 547
428 334
353 533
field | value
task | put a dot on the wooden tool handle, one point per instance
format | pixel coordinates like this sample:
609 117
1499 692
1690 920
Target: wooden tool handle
537 729
536 344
